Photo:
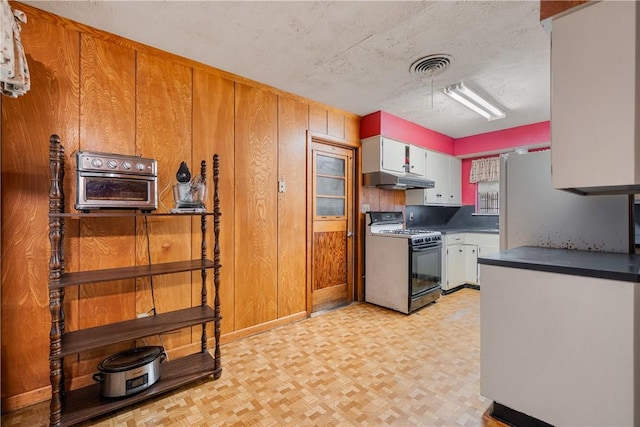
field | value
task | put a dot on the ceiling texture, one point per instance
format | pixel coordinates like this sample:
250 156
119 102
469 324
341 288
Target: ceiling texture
355 56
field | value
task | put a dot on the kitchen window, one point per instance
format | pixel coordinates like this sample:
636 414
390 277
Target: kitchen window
485 173
488 198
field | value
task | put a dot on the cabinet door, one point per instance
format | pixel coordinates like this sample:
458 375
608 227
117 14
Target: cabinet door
455 266
455 181
394 156
470 263
595 138
417 161
438 171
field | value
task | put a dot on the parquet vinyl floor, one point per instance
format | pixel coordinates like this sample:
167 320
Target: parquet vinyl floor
359 365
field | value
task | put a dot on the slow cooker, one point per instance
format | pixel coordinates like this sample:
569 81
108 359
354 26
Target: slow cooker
130 371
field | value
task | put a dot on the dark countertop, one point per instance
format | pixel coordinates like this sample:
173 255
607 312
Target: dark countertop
453 230
605 265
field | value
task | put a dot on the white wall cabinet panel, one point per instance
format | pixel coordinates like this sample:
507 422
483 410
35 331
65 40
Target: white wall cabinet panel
385 154
417 161
595 114
455 181
445 171
393 155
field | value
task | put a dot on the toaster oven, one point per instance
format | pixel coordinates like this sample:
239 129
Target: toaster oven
114 181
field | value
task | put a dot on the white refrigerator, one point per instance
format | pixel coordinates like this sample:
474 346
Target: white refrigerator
533 213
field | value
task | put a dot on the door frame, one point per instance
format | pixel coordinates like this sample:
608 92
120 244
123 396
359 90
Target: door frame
356 294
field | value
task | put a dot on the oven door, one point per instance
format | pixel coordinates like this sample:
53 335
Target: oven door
425 268
119 191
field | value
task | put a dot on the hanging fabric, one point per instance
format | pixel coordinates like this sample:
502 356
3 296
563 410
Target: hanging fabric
14 70
485 170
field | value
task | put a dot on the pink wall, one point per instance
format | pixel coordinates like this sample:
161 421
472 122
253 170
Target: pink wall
534 134
385 124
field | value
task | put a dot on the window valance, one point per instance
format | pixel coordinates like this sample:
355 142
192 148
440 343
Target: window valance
485 170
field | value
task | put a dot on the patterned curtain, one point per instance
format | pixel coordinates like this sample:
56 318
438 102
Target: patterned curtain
14 71
485 170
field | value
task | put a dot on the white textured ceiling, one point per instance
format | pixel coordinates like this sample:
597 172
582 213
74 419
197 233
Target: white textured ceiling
354 55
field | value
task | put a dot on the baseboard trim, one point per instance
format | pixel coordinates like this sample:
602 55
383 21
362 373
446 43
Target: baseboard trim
457 288
262 327
514 418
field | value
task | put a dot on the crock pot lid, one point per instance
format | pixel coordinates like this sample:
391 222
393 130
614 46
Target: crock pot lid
130 359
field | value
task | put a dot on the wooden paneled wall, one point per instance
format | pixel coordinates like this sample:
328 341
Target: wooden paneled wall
100 92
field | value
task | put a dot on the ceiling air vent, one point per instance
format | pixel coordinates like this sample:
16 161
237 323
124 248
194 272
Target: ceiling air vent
430 65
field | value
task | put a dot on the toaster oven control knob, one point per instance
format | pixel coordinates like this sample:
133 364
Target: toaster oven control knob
126 165
112 164
140 166
96 163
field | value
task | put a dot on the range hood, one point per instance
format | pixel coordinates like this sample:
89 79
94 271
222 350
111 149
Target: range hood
390 181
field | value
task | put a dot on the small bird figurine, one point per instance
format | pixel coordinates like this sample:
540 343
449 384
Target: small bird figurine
183 174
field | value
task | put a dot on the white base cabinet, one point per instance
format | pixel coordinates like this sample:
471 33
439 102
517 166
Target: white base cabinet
460 257
560 348
487 244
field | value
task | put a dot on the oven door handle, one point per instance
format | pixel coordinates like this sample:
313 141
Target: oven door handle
426 248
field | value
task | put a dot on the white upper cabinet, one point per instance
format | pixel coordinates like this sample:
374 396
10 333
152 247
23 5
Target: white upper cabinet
394 155
595 91
388 155
445 171
383 154
417 160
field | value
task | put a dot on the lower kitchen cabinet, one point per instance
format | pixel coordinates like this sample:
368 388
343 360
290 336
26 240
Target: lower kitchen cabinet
470 263
487 243
460 257
454 267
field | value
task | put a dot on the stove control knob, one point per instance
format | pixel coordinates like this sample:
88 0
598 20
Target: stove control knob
140 166
126 165
96 163
112 164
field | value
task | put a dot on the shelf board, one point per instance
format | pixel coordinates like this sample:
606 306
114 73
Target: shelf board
86 403
110 274
121 214
91 338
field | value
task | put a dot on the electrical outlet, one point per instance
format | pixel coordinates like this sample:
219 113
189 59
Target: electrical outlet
365 208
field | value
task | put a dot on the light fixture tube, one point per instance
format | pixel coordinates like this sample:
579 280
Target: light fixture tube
472 100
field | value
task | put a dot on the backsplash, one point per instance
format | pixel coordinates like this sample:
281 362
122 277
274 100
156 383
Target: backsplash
458 217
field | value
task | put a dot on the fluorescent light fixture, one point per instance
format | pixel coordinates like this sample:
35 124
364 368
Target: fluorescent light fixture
472 100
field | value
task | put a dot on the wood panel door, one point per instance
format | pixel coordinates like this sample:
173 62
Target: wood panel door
332 212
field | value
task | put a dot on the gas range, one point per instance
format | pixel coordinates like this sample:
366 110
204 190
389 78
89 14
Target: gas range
391 224
403 266
418 237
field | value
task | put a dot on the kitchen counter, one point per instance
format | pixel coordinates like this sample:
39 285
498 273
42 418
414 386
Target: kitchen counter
452 230
559 337
605 265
